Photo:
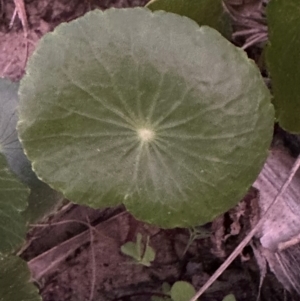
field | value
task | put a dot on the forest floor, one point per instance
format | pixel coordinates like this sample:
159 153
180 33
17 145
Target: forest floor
73 262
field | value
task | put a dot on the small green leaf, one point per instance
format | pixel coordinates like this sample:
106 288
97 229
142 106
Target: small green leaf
182 291
204 12
282 57
229 297
15 280
130 249
166 288
142 254
168 118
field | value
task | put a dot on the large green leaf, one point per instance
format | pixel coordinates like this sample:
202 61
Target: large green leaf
283 58
13 194
10 145
15 280
147 109
204 12
42 199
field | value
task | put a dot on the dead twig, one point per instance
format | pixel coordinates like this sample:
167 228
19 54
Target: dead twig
255 39
21 12
250 25
49 260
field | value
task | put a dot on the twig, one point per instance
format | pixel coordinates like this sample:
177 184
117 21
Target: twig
248 238
69 221
245 32
259 38
21 12
47 261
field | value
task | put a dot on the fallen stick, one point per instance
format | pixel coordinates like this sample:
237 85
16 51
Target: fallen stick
21 12
49 260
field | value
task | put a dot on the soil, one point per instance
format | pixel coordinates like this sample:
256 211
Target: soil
71 261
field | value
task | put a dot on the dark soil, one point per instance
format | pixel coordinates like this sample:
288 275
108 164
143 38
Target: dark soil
70 261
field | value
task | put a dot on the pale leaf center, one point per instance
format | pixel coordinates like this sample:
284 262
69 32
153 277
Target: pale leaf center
146 135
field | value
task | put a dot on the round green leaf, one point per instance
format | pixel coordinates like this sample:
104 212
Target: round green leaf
182 291
15 280
147 109
42 199
229 297
204 12
10 145
13 194
282 58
